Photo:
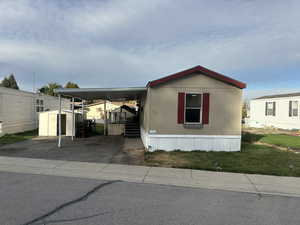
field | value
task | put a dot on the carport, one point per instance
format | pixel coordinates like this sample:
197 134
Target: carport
105 94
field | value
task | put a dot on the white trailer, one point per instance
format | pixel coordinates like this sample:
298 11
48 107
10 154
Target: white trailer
280 111
19 110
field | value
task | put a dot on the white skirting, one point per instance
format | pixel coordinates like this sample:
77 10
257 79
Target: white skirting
228 143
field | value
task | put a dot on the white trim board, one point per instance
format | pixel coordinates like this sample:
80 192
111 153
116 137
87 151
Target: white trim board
169 142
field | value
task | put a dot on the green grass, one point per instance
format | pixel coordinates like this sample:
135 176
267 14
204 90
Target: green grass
13 138
99 130
252 159
282 140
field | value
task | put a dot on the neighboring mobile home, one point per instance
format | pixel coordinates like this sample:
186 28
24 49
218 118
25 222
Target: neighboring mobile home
19 109
196 109
95 111
280 111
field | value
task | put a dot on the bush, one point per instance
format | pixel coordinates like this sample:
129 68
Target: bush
250 137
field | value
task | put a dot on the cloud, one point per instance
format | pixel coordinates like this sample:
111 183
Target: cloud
128 42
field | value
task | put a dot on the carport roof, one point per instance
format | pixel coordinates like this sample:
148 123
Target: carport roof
112 94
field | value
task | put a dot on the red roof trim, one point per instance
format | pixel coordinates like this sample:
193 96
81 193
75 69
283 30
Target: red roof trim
202 70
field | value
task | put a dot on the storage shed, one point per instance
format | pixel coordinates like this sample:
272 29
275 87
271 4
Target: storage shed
48 123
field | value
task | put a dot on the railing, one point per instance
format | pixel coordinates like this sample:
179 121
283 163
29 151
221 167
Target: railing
117 117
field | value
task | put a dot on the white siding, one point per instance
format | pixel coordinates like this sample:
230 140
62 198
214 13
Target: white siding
280 120
18 109
226 143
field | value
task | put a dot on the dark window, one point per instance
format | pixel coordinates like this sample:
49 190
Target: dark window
39 105
193 104
270 108
294 106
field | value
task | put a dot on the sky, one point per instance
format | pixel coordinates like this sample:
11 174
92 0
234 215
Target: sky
126 43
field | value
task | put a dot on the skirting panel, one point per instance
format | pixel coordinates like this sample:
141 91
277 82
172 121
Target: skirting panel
228 143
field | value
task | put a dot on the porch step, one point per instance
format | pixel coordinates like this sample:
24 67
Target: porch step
132 129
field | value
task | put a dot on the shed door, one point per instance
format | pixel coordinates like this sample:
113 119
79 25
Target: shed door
63 124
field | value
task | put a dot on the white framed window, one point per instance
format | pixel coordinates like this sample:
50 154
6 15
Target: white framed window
193 108
39 105
294 109
270 108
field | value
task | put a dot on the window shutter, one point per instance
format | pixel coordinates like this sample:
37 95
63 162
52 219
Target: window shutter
205 108
274 108
181 103
290 109
266 109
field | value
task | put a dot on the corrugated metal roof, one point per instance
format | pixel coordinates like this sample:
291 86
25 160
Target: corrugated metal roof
112 94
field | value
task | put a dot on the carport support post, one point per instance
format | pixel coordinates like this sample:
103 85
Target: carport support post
82 107
59 122
73 120
105 118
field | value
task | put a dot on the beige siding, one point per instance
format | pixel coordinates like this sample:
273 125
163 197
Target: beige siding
145 114
225 107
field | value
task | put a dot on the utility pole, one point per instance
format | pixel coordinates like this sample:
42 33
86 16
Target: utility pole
34 102
34 80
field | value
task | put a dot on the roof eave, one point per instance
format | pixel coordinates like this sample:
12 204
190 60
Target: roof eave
202 70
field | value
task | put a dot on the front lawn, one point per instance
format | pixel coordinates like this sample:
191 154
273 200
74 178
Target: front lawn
12 138
252 159
282 140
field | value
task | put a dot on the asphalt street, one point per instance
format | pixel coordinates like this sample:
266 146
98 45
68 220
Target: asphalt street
41 199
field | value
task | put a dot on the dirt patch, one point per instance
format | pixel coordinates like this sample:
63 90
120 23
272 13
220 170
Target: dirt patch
271 130
166 160
132 152
277 147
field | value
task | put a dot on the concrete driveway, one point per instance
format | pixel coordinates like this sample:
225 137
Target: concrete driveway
102 149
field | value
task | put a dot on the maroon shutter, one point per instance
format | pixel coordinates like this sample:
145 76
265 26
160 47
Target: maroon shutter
180 112
205 109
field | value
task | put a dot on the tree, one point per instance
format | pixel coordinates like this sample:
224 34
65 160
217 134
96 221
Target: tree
5 83
245 110
10 82
71 85
49 89
13 82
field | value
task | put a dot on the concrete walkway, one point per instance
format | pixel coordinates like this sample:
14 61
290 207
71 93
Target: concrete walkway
259 184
